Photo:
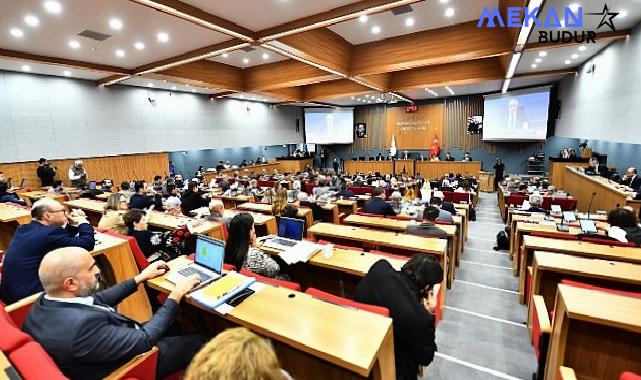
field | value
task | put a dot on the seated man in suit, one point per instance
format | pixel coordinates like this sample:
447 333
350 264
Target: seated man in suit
141 199
32 241
535 201
631 179
83 333
410 295
443 215
377 204
344 192
428 227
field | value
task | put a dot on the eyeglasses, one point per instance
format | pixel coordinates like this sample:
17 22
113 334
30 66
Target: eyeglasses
63 210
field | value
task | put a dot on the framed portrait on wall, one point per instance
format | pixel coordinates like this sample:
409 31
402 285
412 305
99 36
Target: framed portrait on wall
475 125
360 130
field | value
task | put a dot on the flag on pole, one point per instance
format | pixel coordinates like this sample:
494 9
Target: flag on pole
392 148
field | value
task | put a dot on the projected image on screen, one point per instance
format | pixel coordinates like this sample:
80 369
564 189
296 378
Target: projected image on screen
519 116
329 126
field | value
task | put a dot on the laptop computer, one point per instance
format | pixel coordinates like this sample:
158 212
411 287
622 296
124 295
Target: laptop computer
587 226
556 209
208 262
290 233
569 216
92 185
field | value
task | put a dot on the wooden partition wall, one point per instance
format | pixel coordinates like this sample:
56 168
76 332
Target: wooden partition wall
414 130
142 166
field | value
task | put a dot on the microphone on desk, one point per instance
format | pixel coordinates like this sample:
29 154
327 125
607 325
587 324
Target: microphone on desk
590 206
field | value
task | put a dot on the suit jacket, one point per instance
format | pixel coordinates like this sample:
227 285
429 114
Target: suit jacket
634 183
89 342
426 229
449 206
191 201
378 206
414 342
30 243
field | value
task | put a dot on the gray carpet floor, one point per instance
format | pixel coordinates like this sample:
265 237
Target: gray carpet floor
483 333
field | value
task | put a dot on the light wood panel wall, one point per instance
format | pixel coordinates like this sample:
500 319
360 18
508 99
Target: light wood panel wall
142 166
414 130
437 169
383 167
374 118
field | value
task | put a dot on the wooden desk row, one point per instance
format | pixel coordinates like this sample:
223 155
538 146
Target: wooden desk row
336 341
10 218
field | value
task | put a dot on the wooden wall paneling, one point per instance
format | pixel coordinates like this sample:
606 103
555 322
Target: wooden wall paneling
437 169
416 130
374 117
117 168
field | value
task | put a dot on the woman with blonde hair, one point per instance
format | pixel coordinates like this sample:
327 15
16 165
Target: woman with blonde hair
409 195
236 354
112 214
280 201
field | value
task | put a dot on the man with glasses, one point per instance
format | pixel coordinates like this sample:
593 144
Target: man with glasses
51 228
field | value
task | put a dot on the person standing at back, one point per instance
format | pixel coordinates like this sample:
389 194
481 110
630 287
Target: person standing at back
410 295
45 172
78 174
499 172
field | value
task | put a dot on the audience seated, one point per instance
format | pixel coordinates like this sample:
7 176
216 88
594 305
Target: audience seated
142 199
32 241
6 196
112 214
242 249
396 201
624 219
192 198
124 190
377 204
443 215
56 187
280 201
344 191
84 334
151 243
237 354
217 212
173 206
410 295
428 226
535 201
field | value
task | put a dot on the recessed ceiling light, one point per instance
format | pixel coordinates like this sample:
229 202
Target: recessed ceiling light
567 62
358 99
150 85
120 53
18 33
582 48
52 6
162 37
67 73
376 29
445 1
173 88
623 13
193 90
367 95
265 56
139 45
26 68
409 21
449 90
31 20
538 60
225 55
187 85
574 7
449 12
534 65
115 24
575 56
74 44
242 96
353 97
245 60
362 18
543 53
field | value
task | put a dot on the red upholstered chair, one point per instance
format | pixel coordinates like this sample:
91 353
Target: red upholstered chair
444 222
309 187
629 376
547 203
18 310
602 241
347 302
139 257
554 235
460 197
567 204
33 362
400 217
515 199
12 337
447 196
273 281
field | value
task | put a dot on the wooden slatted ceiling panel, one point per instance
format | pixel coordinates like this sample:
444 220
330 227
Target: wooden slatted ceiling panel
116 168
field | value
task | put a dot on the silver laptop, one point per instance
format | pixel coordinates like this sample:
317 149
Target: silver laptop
208 263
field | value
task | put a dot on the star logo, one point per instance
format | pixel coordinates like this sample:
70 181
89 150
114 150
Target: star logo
607 17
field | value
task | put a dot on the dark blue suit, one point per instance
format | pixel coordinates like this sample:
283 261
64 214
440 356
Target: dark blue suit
378 206
30 243
88 342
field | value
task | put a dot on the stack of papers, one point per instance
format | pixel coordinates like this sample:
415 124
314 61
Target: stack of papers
301 252
219 291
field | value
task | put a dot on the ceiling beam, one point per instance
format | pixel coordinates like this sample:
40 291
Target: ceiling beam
292 94
332 90
331 17
70 63
321 46
547 73
600 37
456 43
199 17
283 74
205 74
451 74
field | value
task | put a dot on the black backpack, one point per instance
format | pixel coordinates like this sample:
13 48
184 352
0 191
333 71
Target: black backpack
502 241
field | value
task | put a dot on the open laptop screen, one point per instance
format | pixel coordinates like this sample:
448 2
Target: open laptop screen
210 253
291 228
